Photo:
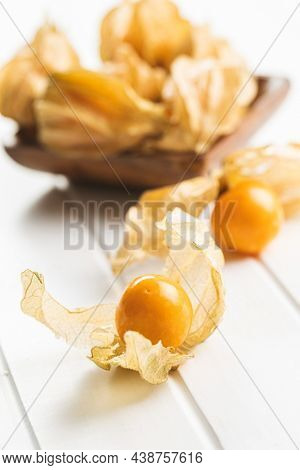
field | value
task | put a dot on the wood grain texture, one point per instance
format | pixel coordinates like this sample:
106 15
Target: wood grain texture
157 169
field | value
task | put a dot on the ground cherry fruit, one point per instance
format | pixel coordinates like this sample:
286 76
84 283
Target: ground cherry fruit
246 217
156 307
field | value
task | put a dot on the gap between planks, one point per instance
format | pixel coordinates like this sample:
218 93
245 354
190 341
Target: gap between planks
14 413
178 387
181 388
278 282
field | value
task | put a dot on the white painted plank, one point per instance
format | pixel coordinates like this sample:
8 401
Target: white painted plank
214 387
240 416
82 406
282 258
236 376
36 240
262 329
11 412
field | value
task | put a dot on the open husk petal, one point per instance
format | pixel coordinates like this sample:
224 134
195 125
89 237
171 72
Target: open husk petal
147 81
153 362
208 46
142 238
205 100
154 28
198 268
276 165
93 329
91 114
25 77
82 327
196 265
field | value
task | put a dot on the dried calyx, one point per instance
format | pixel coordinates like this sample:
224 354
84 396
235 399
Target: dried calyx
26 76
142 239
205 99
154 28
82 112
196 268
173 86
276 165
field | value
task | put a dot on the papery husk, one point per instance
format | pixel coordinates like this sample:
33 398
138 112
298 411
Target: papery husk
208 46
81 327
193 261
147 81
142 238
153 362
205 99
278 166
154 28
196 266
25 77
198 269
93 329
93 114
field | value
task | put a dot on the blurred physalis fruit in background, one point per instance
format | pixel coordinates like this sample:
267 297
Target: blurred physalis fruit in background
25 77
154 28
276 165
246 217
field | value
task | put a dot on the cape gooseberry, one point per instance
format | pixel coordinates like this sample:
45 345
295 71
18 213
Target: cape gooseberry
156 307
246 217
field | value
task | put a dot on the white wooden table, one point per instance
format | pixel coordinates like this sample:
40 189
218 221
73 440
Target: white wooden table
242 389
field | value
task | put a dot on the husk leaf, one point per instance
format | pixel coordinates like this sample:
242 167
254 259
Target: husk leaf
82 327
195 266
89 113
25 77
205 100
153 362
154 28
278 166
142 238
146 80
208 46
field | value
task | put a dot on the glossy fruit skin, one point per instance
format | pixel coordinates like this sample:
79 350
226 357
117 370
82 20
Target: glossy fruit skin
246 217
156 307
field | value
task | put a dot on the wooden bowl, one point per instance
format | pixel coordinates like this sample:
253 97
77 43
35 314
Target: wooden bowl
161 168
